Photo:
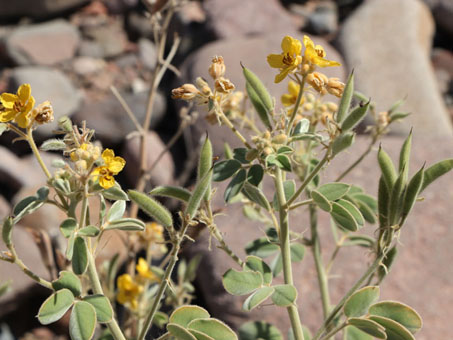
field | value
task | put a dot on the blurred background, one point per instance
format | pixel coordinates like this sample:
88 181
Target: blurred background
73 51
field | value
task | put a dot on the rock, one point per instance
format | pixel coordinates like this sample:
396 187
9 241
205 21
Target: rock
120 6
10 177
148 53
391 66
48 84
191 12
139 25
252 52
443 12
423 251
43 44
256 17
90 49
164 170
86 65
109 119
5 208
324 18
37 8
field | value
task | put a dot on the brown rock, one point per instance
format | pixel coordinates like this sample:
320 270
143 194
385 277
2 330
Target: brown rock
392 62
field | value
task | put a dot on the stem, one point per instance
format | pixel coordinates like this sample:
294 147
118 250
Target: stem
164 283
307 180
92 272
296 106
356 286
334 331
286 253
320 270
228 123
35 150
357 162
300 204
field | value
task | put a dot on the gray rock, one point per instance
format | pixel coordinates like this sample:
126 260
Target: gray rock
48 84
424 251
109 119
86 65
443 12
92 49
43 44
256 17
392 62
37 8
324 18
163 172
252 52
148 53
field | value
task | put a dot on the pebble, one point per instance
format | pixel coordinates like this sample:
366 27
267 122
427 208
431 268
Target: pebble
37 8
148 53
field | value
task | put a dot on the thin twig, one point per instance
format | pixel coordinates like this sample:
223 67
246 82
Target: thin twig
127 108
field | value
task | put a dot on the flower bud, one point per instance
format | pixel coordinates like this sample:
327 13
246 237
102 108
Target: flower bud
223 85
203 86
217 68
332 107
43 113
280 139
267 151
185 92
318 81
383 119
251 155
65 124
326 116
335 87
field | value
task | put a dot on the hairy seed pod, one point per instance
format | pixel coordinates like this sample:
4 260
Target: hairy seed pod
396 198
198 193
152 208
387 168
383 203
346 98
405 155
259 96
412 191
435 171
171 192
205 164
355 117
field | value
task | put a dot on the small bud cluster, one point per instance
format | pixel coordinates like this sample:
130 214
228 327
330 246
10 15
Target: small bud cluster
322 84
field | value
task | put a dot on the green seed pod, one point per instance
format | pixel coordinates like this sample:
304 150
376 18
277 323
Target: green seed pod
398 115
435 171
198 194
396 198
412 191
405 155
383 202
355 117
387 262
171 192
342 142
387 168
263 113
205 164
7 231
227 150
152 208
346 98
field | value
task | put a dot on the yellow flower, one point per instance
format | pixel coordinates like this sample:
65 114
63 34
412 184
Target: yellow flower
315 54
128 291
289 99
112 166
18 106
288 60
144 271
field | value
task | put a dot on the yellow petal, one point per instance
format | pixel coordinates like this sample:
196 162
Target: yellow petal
293 88
8 100
106 181
29 106
24 93
116 164
288 100
279 77
321 62
308 42
291 45
275 60
23 119
107 155
7 115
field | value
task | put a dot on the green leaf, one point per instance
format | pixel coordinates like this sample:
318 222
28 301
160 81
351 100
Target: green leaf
277 265
7 231
368 326
67 280
284 295
42 193
334 191
160 319
255 330
152 208
346 98
283 162
261 247
70 247
53 144
240 155
256 264
235 186
384 269
104 311
361 240
355 117
171 192
398 312
393 329
90 231
225 169
343 217
342 142
213 328
258 297
68 226
180 332
115 193
183 315
255 174
83 321
353 210
116 211
301 127
80 256
241 283
200 335
55 306
255 194
353 333
127 223
26 206
359 302
297 252
435 171
321 200
289 187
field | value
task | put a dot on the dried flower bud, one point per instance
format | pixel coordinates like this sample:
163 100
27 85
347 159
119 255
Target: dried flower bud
203 86
186 92
383 119
335 87
280 139
43 113
318 81
332 107
217 68
223 85
267 151
326 116
308 107
80 165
